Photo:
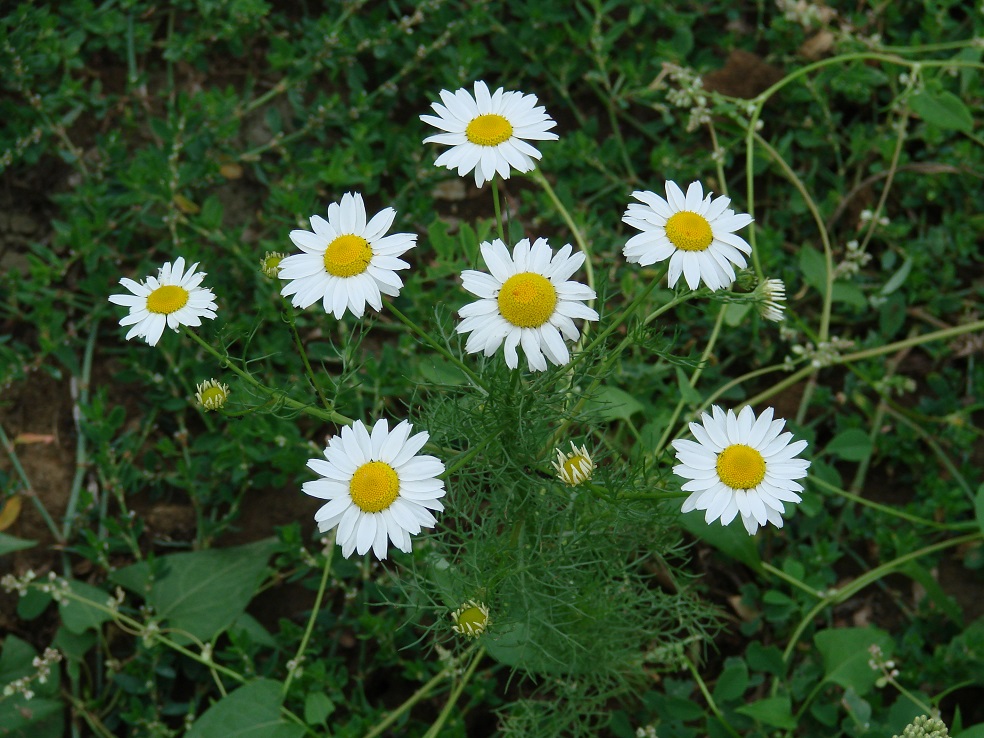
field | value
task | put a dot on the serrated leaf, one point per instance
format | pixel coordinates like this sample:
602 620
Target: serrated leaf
943 110
851 445
845 655
774 711
252 711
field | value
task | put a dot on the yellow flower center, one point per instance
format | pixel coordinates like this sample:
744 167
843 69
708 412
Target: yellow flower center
527 300
213 397
472 620
577 468
347 256
489 130
167 299
374 486
740 466
689 231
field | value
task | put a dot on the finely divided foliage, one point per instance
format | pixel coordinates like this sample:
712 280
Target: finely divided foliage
521 427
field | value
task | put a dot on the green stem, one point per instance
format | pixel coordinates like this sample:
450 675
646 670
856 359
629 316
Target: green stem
890 510
710 699
412 700
498 211
435 729
226 363
299 656
735 382
475 379
956 330
791 580
624 316
291 321
828 253
537 176
715 332
868 578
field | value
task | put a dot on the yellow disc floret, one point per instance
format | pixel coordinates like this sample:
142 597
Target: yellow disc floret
527 300
374 486
347 256
167 299
740 466
689 231
212 394
471 619
489 130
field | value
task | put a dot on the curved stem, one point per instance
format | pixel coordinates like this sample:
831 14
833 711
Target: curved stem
224 361
299 656
693 380
300 349
890 510
828 254
709 699
435 729
498 211
537 176
475 379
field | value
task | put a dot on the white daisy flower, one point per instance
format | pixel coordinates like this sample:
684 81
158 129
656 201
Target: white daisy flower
526 300
173 298
346 262
488 132
696 233
377 487
740 465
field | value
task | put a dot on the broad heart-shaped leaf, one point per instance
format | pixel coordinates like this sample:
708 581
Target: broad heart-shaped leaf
202 592
252 711
845 655
732 540
943 110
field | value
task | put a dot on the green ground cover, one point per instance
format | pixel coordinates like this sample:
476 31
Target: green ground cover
164 574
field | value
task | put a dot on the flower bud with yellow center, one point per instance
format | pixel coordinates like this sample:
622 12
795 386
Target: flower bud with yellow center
489 130
471 619
527 300
167 299
374 486
740 466
689 231
270 264
212 394
347 256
